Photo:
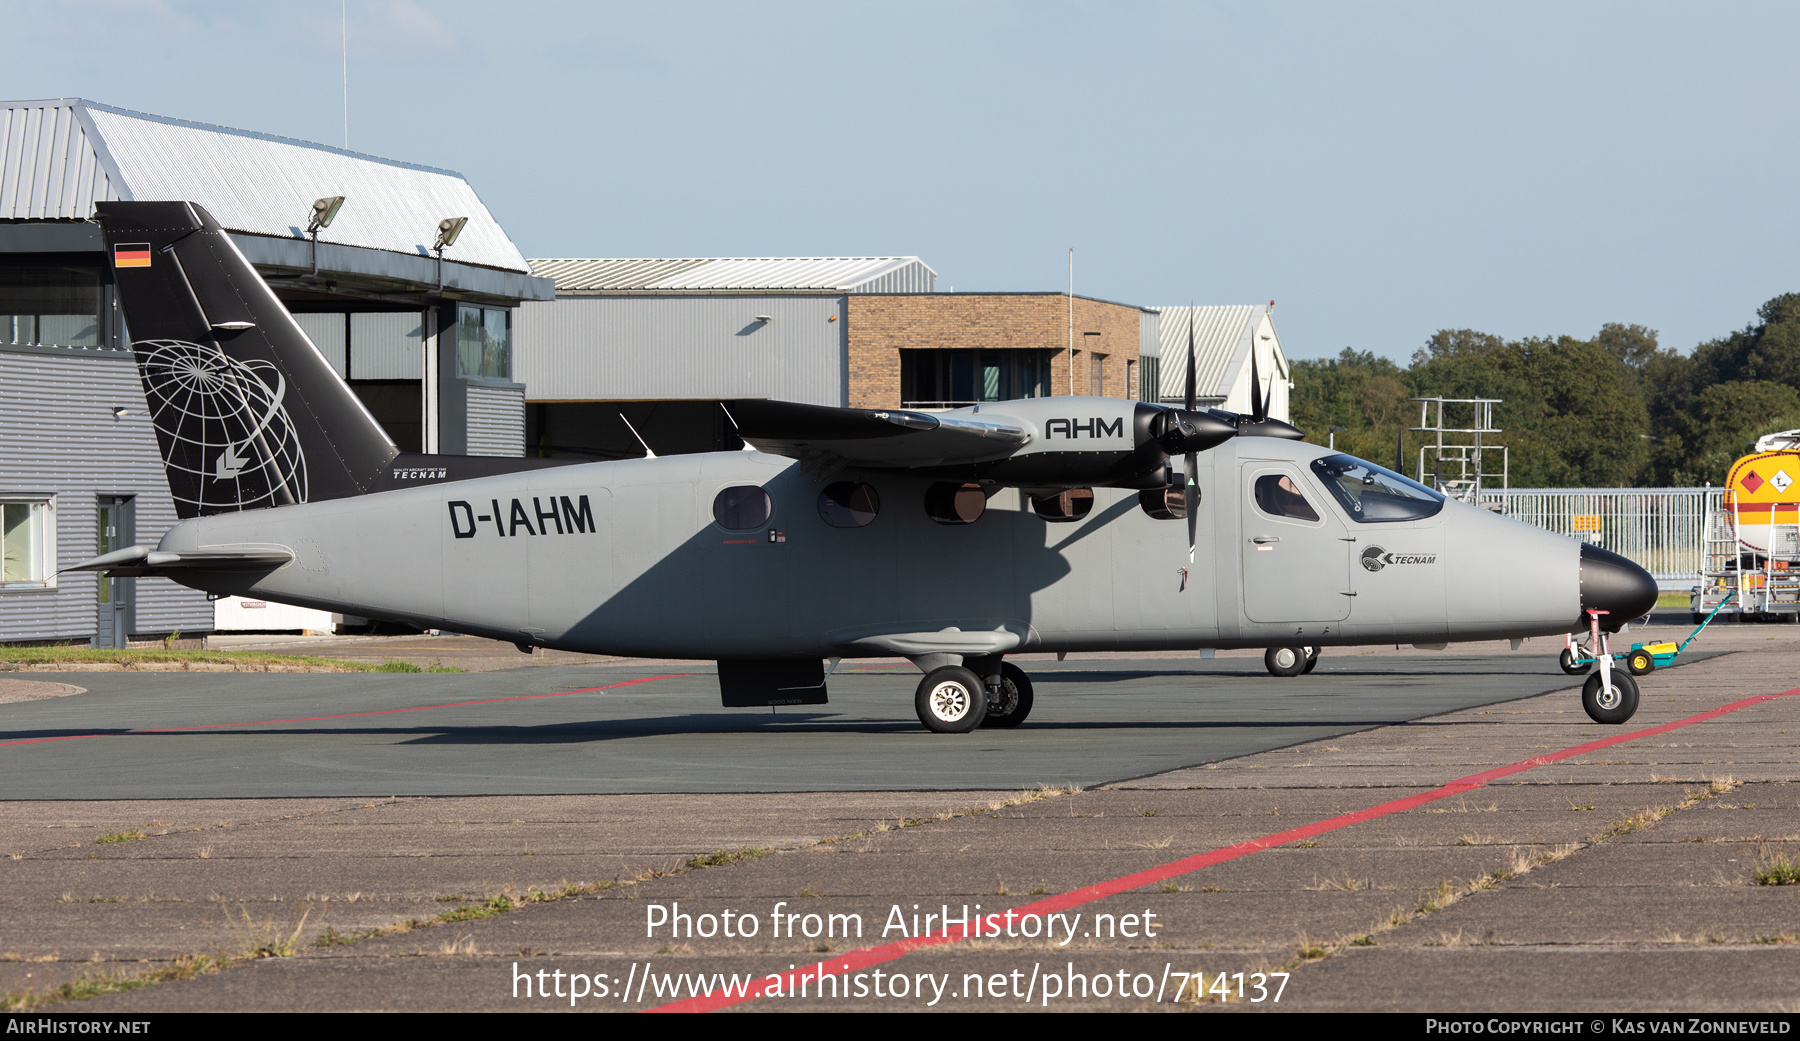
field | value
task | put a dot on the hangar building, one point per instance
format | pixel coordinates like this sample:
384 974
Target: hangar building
1224 339
426 343
636 353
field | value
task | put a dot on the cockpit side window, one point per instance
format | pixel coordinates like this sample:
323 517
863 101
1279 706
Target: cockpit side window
1277 496
1372 494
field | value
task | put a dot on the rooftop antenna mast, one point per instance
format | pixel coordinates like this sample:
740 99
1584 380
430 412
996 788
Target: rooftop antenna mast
344 39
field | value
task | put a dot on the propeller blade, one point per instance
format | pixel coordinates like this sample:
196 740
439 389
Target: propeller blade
1191 494
1193 394
1400 453
1258 407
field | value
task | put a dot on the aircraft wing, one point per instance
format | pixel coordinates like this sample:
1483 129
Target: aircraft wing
825 438
140 561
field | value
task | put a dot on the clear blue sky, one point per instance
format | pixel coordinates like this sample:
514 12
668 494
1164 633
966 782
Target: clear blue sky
1380 170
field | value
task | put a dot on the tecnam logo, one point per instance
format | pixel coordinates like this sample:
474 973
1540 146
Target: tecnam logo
1096 427
1375 558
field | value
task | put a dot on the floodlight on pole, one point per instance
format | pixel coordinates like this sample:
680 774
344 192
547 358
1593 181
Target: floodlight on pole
324 211
448 229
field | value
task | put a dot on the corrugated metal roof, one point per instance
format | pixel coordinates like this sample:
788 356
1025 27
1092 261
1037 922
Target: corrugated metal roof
1221 348
60 156
830 274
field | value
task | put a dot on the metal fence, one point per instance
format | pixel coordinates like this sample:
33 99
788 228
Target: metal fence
1662 530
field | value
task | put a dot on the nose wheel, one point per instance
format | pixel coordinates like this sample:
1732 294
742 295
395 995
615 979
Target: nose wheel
1610 703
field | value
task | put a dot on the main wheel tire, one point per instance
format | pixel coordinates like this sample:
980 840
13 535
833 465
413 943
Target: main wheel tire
1571 665
1640 663
1613 706
1285 661
951 700
1015 699
1312 659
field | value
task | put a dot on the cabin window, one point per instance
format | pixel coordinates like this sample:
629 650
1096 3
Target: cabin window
1278 496
1169 503
849 504
1071 505
26 543
949 503
1371 493
742 507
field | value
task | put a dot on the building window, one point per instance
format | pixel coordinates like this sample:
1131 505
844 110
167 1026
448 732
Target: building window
27 543
952 379
53 305
484 342
1097 375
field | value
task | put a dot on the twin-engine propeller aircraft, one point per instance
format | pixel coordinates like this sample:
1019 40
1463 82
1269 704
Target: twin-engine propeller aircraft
952 538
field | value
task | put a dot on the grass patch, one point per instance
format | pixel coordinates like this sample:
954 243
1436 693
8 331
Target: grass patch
185 967
721 857
163 656
1776 867
121 836
1674 600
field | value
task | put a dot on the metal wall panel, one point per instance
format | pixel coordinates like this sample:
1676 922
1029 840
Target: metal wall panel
716 274
57 424
616 348
251 182
387 345
327 332
48 167
496 420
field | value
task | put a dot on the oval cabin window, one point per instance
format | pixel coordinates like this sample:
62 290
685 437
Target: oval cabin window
1168 503
949 503
1071 505
742 508
849 504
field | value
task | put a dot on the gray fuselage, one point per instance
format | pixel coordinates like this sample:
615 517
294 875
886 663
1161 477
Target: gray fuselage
626 558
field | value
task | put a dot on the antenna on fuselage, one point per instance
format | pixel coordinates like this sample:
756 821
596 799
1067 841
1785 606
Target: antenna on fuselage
640 438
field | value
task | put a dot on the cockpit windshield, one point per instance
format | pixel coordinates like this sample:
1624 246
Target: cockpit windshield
1370 493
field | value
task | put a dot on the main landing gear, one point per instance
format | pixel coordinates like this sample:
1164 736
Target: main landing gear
953 699
1290 661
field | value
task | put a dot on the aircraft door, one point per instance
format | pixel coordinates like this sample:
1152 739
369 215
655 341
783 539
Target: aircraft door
1296 552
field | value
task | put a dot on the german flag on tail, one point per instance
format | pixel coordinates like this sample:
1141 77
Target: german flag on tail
131 254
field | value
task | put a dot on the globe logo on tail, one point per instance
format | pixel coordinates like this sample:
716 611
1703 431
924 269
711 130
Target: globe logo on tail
227 439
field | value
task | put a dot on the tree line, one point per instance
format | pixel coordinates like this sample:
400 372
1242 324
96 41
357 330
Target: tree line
1615 410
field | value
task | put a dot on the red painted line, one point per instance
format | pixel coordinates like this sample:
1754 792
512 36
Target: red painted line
348 715
853 961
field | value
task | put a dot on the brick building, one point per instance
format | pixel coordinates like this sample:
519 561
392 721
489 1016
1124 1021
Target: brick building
635 354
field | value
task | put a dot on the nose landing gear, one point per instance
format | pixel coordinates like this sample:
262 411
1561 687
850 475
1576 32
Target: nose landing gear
1610 695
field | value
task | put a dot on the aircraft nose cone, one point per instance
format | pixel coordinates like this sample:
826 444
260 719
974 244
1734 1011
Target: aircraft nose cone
1615 585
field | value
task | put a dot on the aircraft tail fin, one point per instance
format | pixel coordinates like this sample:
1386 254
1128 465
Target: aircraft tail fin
248 413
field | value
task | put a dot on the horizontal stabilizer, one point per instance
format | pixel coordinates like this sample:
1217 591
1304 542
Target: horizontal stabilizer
140 561
826 437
